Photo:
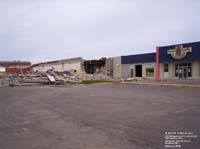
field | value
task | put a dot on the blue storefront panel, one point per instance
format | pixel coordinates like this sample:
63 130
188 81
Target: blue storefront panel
140 58
190 56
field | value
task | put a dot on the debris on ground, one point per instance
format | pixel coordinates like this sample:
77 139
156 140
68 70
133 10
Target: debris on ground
136 79
53 77
49 77
100 74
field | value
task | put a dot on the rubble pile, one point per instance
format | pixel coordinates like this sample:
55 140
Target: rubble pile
40 78
52 77
63 77
95 76
4 83
100 74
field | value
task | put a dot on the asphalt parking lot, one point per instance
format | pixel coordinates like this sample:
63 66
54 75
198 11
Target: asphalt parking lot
97 116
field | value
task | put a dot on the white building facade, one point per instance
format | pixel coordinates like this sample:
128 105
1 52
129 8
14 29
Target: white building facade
60 65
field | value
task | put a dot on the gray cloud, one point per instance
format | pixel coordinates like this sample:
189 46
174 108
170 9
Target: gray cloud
40 30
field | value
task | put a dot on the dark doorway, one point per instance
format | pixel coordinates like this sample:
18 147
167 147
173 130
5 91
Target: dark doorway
138 70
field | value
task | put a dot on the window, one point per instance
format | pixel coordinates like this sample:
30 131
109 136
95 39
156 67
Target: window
166 69
149 69
150 72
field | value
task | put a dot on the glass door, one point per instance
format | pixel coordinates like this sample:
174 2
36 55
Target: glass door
183 72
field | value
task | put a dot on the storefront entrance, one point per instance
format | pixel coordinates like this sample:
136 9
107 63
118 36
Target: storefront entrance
183 70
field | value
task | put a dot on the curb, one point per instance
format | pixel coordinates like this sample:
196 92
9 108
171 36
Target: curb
102 83
148 84
163 85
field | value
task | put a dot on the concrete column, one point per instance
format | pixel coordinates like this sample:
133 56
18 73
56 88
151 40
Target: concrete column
117 67
171 70
143 71
195 69
157 64
132 66
125 71
161 71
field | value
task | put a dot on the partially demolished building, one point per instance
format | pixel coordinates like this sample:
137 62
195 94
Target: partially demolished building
98 69
103 65
85 69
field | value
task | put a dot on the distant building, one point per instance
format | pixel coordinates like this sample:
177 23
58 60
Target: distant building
2 71
14 66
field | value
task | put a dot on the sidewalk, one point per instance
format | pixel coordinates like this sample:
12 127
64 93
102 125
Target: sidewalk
167 83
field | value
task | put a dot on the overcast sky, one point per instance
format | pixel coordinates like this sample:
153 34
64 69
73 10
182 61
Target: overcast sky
41 30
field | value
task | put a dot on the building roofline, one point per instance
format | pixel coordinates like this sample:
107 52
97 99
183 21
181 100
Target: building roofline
55 61
179 44
7 63
138 54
